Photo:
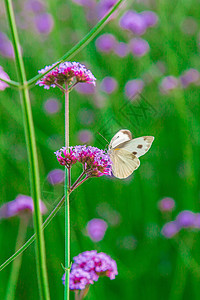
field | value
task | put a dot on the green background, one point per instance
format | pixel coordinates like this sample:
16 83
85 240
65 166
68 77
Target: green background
155 268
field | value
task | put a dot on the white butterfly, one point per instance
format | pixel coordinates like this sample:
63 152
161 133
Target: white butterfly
124 152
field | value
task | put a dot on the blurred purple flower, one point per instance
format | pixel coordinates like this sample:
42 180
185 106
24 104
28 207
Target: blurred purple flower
96 229
189 76
112 216
170 229
65 73
133 21
109 85
197 221
44 23
185 219
133 88
78 279
86 116
166 204
104 7
86 3
128 242
6 47
84 88
56 176
52 106
95 161
22 205
150 18
5 76
105 42
189 25
96 264
121 49
168 83
139 47
85 136
35 6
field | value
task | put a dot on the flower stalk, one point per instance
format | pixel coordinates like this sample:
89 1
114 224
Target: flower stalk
14 274
67 210
32 154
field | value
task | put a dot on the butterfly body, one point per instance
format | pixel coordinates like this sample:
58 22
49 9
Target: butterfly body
124 152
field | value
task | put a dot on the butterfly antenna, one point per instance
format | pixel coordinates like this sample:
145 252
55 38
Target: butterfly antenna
103 137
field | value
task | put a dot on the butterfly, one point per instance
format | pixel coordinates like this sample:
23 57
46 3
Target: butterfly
124 152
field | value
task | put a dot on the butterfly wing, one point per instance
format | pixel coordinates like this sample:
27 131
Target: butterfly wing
120 137
138 146
124 163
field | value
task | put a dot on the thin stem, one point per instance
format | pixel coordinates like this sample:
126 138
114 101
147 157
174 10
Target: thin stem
76 295
77 180
80 183
32 239
60 87
10 82
69 177
32 155
14 274
80 45
67 214
72 86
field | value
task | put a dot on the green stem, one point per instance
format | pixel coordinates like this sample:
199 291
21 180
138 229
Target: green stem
32 239
80 45
10 82
32 154
14 274
67 215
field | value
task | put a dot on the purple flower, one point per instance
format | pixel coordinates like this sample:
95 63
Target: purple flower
56 176
52 106
44 23
96 229
84 88
170 229
86 3
78 279
96 162
197 221
65 73
96 264
189 76
6 47
185 219
109 85
104 6
3 75
21 205
85 136
106 42
134 22
34 6
121 49
168 83
133 88
150 18
166 204
139 47
189 25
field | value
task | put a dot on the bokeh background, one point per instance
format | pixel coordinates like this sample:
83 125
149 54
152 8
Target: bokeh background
146 65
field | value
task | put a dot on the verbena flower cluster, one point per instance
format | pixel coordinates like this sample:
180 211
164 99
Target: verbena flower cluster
88 267
185 219
96 162
65 72
22 205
